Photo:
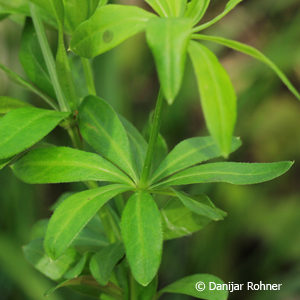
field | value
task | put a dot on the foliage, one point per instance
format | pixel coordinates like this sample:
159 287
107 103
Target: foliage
131 194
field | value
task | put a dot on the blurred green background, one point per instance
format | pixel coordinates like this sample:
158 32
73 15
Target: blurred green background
260 238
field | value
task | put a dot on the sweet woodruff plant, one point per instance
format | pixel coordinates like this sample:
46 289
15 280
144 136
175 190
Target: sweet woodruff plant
107 240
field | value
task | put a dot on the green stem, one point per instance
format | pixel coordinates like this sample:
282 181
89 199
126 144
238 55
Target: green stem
21 81
41 35
152 141
133 288
88 72
74 136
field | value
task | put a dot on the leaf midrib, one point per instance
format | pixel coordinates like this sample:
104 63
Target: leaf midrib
78 208
114 144
209 172
175 161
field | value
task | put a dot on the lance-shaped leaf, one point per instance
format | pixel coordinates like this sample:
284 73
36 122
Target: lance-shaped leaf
104 261
77 11
168 8
23 127
177 7
168 39
246 49
200 208
54 7
62 164
101 127
188 153
54 269
179 221
32 60
7 104
78 268
87 285
218 98
161 7
142 236
231 4
230 172
200 286
137 142
109 26
73 214
196 10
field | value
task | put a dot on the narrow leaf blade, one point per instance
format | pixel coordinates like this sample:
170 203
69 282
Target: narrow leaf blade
142 235
188 153
218 97
191 286
23 127
101 127
54 269
137 142
196 10
62 164
7 104
230 172
199 208
231 4
249 50
73 214
32 60
109 26
168 40
104 261
179 221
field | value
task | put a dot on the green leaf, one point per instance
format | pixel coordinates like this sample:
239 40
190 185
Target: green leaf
23 127
54 269
101 127
231 4
73 214
168 8
32 60
199 208
246 49
86 285
14 7
188 153
78 268
179 221
103 262
92 237
188 286
137 142
27 85
230 172
148 292
196 9
177 7
77 11
142 236
54 7
4 162
218 98
7 104
109 26
160 6
62 164
168 39
63 70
